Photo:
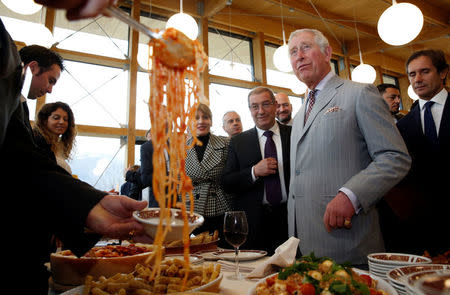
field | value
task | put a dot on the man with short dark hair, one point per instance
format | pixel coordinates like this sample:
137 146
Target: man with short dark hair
391 95
257 172
426 132
45 66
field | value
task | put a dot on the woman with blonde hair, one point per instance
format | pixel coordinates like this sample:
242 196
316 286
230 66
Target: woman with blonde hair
204 165
55 132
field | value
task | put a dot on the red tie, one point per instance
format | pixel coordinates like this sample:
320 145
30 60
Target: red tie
312 100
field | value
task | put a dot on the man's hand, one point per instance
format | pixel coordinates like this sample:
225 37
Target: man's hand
266 167
112 217
339 213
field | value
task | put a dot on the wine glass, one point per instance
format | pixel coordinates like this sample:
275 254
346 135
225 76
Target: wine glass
235 230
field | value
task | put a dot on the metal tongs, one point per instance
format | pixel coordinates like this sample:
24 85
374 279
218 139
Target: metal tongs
174 53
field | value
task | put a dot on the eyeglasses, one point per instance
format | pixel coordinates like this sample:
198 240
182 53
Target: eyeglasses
303 48
284 105
265 105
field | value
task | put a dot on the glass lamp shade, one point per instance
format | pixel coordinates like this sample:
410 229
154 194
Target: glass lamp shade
400 23
281 59
298 87
364 74
40 35
411 93
22 6
184 23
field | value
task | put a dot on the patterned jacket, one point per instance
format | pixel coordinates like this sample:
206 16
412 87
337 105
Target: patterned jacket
209 197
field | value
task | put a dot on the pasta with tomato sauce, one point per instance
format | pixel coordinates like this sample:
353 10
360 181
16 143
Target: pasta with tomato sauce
174 95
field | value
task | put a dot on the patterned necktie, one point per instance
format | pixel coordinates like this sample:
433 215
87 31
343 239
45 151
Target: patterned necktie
430 127
271 182
311 100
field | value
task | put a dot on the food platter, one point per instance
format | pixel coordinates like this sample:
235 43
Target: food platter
212 286
212 245
244 255
382 284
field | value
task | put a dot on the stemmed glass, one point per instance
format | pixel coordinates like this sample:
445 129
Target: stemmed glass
235 230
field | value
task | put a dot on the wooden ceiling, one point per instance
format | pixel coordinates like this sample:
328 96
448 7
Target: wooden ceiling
335 18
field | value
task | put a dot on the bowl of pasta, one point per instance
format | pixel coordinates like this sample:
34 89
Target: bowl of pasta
151 217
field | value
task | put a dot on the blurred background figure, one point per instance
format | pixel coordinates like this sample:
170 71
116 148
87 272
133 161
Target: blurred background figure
54 132
391 95
284 109
204 165
232 123
129 188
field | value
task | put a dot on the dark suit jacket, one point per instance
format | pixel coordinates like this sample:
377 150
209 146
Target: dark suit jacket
45 201
426 185
244 152
144 176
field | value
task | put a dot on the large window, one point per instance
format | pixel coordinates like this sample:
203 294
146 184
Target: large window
105 36
99 161
230 55
96 94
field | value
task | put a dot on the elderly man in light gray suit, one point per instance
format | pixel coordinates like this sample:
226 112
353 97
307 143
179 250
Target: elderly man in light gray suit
346 153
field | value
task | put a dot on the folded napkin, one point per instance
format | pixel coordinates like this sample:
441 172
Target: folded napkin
284 256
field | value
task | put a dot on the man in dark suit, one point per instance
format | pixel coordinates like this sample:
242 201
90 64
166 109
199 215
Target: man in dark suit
391 95
422 212
426 132
259 179
45 199
144 176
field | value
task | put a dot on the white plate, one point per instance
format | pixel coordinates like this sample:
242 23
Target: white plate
401 274
79 289
193 258
243 255
382 284
398 259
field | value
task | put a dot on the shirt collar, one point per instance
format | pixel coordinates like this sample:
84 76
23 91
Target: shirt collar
439 98
275 129
324 81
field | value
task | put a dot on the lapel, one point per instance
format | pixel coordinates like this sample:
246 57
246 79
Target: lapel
212 156
322 99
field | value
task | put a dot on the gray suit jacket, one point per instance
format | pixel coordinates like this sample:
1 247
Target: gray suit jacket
349 141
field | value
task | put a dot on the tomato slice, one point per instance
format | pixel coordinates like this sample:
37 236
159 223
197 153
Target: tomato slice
308 289
270 281
367 279
291 287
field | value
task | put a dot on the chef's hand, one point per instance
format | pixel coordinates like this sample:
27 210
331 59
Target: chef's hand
112 217
339 213
266 167
78 9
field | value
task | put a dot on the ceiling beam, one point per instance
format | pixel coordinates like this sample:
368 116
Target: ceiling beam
308 9
378 45
211 8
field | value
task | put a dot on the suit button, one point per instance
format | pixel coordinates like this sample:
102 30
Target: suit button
297 172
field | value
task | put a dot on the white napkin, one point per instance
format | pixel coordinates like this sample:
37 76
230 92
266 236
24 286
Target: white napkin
284 256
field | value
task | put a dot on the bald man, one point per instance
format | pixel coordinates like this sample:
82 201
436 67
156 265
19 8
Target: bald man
284 109
232 123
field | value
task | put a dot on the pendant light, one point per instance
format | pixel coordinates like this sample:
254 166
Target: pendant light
298 87
363 73
400 23
281 56
411 93
184 23
22 6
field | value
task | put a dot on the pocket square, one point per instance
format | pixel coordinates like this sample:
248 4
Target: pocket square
332 110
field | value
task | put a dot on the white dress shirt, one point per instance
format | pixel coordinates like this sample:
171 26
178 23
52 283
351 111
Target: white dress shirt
262 142
436 109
